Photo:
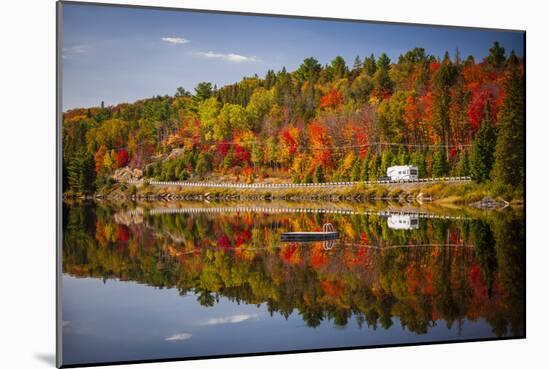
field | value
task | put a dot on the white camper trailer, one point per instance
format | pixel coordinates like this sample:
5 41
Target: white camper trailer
403 221
403 173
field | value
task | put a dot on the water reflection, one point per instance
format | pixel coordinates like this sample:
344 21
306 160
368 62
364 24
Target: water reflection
403 221
400 269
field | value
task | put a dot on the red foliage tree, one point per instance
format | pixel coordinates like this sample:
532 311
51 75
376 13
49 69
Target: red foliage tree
333 289
121 158
332 99
241 155
290 142
224 242
320 142
476 108
242 237
122 233
222 148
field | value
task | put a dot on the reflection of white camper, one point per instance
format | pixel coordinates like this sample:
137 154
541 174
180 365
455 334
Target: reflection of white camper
403 173
403 221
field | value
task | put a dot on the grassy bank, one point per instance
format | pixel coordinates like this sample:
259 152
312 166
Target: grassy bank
441 193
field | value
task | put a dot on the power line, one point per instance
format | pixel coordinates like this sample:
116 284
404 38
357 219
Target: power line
336 148
310 147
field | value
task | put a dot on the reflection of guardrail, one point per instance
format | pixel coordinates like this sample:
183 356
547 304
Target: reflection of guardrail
282 186
408 246
275 210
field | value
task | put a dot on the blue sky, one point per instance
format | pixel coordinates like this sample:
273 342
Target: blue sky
119 54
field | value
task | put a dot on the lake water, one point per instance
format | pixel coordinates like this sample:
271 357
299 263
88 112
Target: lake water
160 281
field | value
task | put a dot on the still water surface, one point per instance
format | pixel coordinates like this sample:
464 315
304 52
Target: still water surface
142 284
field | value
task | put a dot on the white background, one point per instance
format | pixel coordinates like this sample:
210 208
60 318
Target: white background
27 182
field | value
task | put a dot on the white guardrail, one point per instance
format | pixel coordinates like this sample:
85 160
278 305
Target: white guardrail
289 185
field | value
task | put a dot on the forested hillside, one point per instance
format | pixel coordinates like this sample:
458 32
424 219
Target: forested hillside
335 122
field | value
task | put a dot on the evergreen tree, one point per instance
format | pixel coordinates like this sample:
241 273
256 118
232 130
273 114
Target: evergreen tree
418 160
318 176
228 160
157 170
203 91
80 173
482 159
463 166
357 64
402 157
496 56
509 165
270 79
355 171
203 165
374 167
382 80
484 248
182 92
257 154
370 65
338 68
387 161
308 70
440 166
364 173
443 80
307 177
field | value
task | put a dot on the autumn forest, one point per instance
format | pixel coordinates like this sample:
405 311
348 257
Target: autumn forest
449 116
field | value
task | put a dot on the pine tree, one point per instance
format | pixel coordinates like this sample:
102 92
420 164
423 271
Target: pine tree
80 173
383 82
203 165
257 154
387 161
355 171
418 160
440 166
463 166
443 80
370 65
307 178
482 159
496 56
357 63
402 157
318 176
364 174
228 160
374 167
509 167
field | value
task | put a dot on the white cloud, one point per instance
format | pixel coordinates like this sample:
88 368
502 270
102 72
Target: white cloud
229 319
178 337
175 40
70 51
236 58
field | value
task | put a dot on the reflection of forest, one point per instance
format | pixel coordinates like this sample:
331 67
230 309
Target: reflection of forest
238 256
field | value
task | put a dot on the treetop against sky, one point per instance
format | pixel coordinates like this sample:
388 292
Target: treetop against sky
121 54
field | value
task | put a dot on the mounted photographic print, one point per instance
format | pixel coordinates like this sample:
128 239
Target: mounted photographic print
240 184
